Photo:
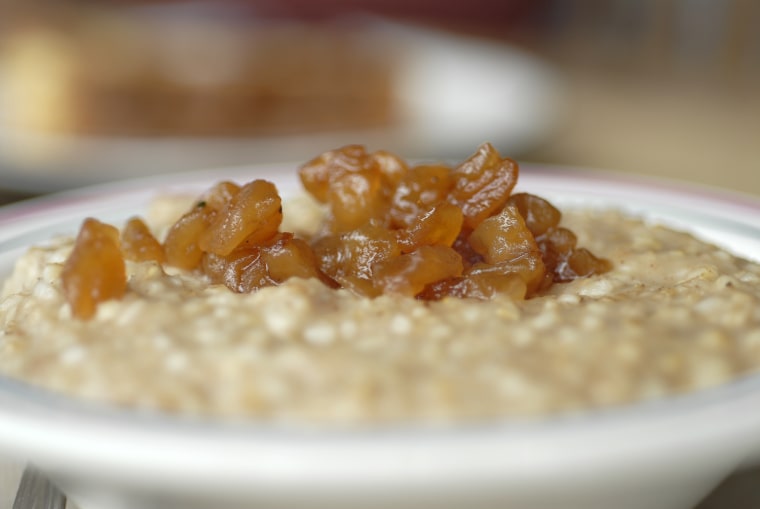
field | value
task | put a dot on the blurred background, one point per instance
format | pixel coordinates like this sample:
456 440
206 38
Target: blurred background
97 91
94 91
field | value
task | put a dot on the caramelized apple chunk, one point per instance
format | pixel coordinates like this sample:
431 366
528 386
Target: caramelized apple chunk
348 258
289 257
482 184
392 168
252 215
356 185
220 195
582 263
539 214
249 268
418 191
462 246
244 270
181 243
428 232
508 247
477 286
438 227
566 262
94 271
504 237
138 243
319 174
409 274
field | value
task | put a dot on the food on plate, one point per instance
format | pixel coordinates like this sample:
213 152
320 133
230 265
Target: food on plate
90 70
389 292
427 232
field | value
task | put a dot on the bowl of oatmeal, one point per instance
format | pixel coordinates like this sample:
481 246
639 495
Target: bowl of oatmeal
632 384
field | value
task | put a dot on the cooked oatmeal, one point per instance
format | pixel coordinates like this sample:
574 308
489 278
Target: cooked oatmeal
674 314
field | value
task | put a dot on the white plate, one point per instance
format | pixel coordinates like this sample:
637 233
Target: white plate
664 454
453 93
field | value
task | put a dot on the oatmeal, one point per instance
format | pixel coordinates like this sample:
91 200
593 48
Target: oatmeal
667 314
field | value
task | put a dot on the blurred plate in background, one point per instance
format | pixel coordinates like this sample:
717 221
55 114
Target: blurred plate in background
448 94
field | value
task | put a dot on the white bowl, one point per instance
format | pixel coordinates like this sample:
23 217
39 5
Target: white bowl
664 454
